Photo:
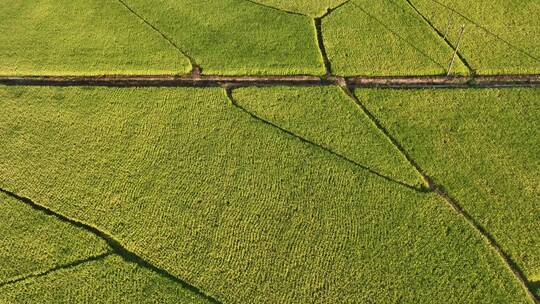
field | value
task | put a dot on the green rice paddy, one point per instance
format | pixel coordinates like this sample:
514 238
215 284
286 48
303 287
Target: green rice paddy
146 174
238 216
482 145
395 41
33 243
106 280
81 37
236 37
500 37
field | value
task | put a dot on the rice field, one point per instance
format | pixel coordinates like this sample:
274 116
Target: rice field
32 242
108 279
269 151
51 37
483 148
395 41
236 37
500 37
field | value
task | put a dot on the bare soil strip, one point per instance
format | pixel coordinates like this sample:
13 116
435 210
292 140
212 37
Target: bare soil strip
117 248
452 203
497 81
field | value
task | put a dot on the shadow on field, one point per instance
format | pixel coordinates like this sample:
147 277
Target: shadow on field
535 288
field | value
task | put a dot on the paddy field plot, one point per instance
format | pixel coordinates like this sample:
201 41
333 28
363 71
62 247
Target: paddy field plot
267 37
110 279
237 207
328 117
81 37
237 37
483 145
224 152
33 242
385 38
501 37
46 260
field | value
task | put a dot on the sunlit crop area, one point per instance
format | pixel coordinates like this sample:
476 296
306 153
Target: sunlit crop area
246 151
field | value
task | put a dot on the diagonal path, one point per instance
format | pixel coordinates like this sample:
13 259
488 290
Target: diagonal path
317 23
275 8
498 81
313 9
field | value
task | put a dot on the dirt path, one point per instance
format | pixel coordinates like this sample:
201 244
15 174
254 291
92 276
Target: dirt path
263 81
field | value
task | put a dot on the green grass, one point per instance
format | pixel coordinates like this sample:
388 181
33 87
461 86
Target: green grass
482 145
328 117
312 8
108 280
32 242
81 37
237 37
384 38
236 207
501 37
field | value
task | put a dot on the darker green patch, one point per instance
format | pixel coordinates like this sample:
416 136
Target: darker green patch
535 288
